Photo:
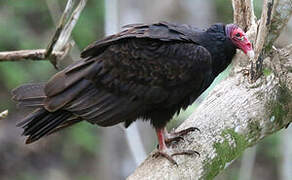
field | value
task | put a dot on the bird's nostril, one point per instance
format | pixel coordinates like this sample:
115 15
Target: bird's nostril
249 45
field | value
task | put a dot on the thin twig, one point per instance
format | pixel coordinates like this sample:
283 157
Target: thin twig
64 30
69 26
60 28
59 46
55 13
58 34
36 54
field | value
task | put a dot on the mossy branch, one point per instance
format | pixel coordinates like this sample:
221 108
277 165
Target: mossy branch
235 115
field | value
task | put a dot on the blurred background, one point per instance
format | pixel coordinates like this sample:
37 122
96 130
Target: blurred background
86 152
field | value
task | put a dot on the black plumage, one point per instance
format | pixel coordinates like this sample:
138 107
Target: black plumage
146 71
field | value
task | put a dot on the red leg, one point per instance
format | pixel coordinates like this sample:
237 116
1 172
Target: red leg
166 152
162 149
161 140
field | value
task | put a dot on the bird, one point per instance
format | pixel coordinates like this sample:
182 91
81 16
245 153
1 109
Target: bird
146 71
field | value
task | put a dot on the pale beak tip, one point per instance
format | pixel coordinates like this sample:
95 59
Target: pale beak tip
250 54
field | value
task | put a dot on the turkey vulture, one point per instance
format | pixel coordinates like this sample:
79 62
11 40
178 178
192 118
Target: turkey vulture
147 71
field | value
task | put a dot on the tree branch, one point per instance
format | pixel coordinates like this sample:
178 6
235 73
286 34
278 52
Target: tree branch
59 46
233 117
264 26
37 54
268 31
243 13
69 26
59 29
282 14
263 30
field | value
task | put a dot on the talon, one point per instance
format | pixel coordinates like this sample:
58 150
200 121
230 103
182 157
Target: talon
167 156
186 131
175 139
193 129
187 152
155 155
166 152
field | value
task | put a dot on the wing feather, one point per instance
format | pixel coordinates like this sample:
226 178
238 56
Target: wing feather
143 67
162 31
61 81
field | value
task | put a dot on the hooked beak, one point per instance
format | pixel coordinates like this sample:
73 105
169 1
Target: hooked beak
246 47
250 54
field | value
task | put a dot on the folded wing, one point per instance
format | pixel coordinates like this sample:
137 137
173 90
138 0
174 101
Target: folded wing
125 75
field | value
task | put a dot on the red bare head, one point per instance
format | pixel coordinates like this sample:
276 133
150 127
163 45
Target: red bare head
239 39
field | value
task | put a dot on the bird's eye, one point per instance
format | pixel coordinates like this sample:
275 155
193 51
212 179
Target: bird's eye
237 34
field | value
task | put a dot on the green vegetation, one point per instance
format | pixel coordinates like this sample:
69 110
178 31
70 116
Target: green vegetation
254 129
232 147
267 72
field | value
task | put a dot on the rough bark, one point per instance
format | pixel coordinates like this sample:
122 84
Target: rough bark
243 13
236 114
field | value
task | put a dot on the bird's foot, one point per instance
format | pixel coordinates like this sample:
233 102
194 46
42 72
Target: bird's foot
164 137
169 153
177 136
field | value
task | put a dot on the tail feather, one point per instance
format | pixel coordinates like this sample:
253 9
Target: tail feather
47 128
32 115
42 122
37 102
66 124
28 91
29 95
38 123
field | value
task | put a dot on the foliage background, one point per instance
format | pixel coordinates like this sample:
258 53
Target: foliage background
78 152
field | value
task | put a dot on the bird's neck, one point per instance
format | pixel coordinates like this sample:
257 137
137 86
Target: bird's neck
222 56
220 47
